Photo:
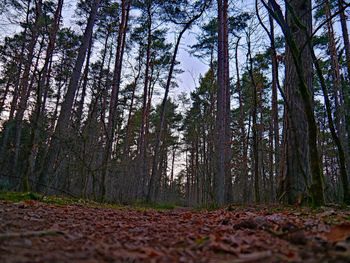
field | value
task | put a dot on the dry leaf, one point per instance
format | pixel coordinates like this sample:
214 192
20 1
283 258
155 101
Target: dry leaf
338 233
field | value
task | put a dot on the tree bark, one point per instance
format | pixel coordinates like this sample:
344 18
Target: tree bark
296 30
222 121
292 175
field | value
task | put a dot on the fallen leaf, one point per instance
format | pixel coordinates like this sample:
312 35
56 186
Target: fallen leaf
338 233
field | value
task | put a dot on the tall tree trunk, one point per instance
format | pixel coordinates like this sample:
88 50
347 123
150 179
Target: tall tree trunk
115 93
346 92
40 104
228 175
274 110
222 122
142 171
340 117
254 128
63 121
131 108
294 182
25 87
344 27
80 109
297 65
261 148
14 101
244 160
147 130
336 139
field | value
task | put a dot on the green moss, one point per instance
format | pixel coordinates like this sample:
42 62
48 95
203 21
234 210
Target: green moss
201 240
18 196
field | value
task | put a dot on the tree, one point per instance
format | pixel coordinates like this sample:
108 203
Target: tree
299 74
63 120
41 96
223 181
115 92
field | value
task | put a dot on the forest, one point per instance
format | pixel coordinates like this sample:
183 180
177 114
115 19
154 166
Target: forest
92 104
174 131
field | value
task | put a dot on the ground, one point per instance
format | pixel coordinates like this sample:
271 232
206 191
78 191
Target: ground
34 231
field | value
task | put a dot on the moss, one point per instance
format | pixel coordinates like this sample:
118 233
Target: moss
18 196
201 240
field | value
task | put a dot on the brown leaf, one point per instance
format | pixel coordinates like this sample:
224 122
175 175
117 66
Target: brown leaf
187 216
151 252
338 233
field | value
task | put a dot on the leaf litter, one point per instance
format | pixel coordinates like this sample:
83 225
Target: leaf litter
39 232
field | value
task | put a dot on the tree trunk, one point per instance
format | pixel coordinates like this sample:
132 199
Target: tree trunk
80 109
294 181
142 172
344 27
244 160
131 108
296 32
40 104
336 139
274 110
228 175
25 87
223 145
63 121
14 101
115 93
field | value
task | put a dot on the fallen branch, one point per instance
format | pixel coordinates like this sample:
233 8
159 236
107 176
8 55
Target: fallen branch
5 236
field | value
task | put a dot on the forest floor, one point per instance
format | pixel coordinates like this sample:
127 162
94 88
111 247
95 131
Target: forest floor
33 231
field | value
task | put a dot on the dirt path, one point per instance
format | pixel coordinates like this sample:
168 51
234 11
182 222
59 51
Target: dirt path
47 233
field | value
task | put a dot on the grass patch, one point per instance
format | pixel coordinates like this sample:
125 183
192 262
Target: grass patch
18 196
